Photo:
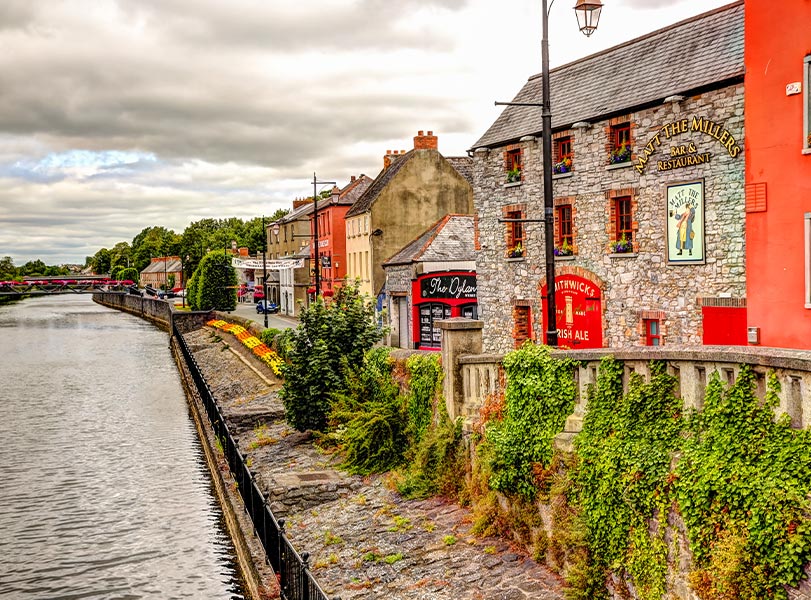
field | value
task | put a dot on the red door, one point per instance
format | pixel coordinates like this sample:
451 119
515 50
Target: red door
578 313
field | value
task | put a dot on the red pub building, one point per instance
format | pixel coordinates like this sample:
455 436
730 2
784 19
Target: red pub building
777 101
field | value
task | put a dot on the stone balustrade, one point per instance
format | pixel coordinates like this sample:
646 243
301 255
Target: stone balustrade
470 376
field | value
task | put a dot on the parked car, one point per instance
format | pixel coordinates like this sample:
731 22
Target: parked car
163 294
264 306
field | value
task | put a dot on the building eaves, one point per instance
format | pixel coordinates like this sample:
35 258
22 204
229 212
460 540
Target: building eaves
694 54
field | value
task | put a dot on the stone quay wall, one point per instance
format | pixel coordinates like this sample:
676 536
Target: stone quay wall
159 312
638 284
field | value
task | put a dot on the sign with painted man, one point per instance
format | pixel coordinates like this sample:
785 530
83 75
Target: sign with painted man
685 223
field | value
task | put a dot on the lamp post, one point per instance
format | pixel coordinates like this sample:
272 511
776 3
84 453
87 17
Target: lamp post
315 232
265 269
588 15
183 277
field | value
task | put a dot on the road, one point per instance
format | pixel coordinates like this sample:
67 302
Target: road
248 311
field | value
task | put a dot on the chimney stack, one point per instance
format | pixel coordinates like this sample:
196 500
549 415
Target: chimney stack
387 160
425 142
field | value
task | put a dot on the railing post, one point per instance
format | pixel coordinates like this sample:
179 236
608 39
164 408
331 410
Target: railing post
305 576
282 573
460 336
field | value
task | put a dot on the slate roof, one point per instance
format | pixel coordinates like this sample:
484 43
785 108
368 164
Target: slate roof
346 196
463 166
700 52
368 197
173 265
448 240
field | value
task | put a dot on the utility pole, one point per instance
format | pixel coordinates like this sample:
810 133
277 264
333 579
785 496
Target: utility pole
316 183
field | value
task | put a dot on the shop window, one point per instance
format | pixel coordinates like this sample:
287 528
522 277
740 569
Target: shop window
620 143
430 333
515 234
522 325
513 165
564 244
563 156
623 225
653 332
469 311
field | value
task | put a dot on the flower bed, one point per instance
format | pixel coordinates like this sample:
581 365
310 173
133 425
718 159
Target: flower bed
254 344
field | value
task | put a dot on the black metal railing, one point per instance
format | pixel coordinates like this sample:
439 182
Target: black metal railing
295 579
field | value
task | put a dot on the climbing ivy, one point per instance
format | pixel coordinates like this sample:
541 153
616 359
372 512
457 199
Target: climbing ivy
539 395
744 491
424 381
740 479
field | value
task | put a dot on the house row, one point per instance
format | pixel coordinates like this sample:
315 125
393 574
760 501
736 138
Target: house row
681 190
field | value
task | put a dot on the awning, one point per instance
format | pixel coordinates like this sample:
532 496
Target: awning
311 290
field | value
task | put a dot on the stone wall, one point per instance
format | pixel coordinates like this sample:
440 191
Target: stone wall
637 283
151 309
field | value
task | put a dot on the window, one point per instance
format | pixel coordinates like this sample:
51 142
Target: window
807 111
623 225
563 155
564 218
653 332
513 165
515 234
620 143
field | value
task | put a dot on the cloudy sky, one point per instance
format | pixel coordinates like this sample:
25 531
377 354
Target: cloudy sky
117 115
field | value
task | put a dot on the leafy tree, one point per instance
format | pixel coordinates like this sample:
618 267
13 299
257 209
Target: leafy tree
331 339
100 262
7 269
120 256
152 242
131 274
33 267
216 285
193 291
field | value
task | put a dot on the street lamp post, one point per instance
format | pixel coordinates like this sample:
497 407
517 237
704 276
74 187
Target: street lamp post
183 277
588 15
265 269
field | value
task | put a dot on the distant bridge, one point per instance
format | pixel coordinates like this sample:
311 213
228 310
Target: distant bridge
55 285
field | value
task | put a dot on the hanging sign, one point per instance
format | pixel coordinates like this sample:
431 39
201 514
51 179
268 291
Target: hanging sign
685 223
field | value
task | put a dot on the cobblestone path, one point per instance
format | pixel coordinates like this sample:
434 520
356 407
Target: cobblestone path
364 540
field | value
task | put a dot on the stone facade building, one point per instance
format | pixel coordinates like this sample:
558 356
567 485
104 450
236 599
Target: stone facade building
648 192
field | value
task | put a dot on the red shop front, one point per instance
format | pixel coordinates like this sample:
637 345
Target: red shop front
438 296
578 312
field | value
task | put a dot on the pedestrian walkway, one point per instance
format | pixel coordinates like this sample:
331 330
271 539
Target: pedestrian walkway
364 540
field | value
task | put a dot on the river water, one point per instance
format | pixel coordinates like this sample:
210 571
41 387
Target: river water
103 488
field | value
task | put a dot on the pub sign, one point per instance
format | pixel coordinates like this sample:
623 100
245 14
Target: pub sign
578 312
685 223
449 286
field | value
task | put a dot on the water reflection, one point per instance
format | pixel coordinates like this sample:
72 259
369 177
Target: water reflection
104 492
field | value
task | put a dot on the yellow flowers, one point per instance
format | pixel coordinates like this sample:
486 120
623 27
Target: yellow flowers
268 356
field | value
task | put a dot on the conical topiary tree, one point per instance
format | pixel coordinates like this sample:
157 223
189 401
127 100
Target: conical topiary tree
216 285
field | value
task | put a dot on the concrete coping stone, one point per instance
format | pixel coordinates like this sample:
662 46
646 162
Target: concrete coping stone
459 323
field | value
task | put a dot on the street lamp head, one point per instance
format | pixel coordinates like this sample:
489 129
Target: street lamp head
588 15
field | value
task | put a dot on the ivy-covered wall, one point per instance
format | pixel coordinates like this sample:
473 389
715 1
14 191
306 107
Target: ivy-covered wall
656 499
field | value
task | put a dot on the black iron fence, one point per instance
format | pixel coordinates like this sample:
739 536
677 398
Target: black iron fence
292 568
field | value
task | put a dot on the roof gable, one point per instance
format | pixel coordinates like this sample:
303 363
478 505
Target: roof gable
449 239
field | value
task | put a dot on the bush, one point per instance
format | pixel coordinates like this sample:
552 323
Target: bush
216 284
330 340
130 273
268 337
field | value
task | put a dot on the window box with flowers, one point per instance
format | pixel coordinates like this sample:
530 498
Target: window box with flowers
565 249
619 155
622 246
562 166
514 175
516 251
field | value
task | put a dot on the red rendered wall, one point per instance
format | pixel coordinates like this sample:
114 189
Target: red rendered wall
724 326
777 40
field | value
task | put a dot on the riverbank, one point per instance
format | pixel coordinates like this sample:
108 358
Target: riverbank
364 540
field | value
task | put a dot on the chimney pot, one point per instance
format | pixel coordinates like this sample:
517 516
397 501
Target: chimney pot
420 132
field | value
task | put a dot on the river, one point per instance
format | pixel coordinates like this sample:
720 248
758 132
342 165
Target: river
103 489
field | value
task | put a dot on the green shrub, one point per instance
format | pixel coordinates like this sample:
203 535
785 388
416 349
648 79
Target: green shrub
130 273
268 337
216 283
331 339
